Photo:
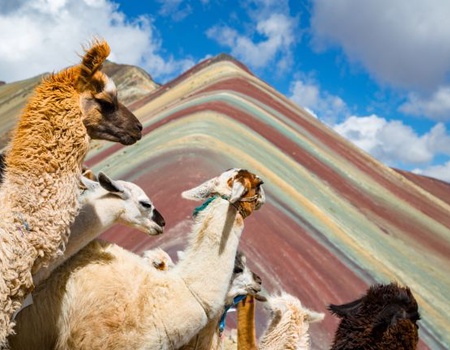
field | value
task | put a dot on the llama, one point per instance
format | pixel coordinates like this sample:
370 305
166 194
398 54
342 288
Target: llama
104 203
39 193
158 310
384 318
289 324
243 282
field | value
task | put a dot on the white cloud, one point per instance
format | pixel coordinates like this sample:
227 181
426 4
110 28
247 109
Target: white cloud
436 106
441 172
327 107
393 142
176 9
271 38
404 42
46 35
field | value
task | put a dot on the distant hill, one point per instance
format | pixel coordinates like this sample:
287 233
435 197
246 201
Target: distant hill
336 220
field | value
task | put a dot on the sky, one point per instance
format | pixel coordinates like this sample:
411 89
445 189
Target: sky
375 71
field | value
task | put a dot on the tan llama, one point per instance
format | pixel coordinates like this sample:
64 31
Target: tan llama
39 193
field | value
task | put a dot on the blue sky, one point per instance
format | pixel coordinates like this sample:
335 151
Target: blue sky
376 71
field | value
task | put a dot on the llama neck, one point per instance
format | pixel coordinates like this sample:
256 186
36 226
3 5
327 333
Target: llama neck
44 166
246 332
209 260
96 215
207 338
50 136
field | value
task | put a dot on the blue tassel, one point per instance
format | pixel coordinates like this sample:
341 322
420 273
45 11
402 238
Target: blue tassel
236 301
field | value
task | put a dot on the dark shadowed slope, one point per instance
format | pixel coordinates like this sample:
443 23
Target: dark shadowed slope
336 220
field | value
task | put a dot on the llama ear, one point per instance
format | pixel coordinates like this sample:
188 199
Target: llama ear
91 63
88 173
88 183
111 186
348 309
200 192
313 316
237 191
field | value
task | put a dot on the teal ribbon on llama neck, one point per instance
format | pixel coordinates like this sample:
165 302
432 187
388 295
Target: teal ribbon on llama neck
210 199
206 203
203 206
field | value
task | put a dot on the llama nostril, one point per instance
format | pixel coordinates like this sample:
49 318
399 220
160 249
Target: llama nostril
139 126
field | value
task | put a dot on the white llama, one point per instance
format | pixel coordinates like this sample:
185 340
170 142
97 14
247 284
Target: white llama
106 202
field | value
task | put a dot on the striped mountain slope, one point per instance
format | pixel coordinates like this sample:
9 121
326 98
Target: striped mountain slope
335 221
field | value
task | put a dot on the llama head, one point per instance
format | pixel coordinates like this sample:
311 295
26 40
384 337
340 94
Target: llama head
241 187
387 313
243 280
103 115
137 210
158 258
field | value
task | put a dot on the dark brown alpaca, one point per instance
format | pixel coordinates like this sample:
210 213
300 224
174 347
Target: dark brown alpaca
383 319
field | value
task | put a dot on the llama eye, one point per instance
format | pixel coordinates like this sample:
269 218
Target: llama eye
146 205
106 106
238 270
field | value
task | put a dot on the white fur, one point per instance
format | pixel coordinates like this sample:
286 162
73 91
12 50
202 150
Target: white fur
108 298
110 87
288 328
158 258
242 283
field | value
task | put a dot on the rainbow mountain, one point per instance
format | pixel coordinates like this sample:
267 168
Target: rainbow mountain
335 220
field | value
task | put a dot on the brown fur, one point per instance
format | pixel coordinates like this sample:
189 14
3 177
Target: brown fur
38 197
383 319
246 331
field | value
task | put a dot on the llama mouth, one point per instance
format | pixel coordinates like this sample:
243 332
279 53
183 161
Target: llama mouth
123 138
129 140
156 230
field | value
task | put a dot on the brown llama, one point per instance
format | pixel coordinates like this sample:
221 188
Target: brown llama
383 319
39 193
246 330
